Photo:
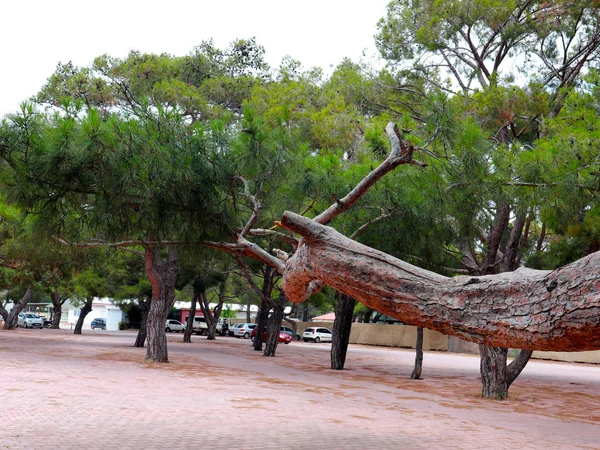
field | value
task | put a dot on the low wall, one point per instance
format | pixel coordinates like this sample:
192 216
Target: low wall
582 357
396 336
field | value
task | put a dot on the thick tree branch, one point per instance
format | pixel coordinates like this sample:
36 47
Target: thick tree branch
529 309
401 154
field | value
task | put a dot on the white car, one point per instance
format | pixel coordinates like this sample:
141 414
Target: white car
174 325
317 334
243 330
30 320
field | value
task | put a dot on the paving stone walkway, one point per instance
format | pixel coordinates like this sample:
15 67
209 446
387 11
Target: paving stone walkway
94 391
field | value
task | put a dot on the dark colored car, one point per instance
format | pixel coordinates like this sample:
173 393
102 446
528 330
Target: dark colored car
99 323
283 337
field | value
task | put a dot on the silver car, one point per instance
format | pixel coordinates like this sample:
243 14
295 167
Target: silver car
243 330
30 320
174 325
317 334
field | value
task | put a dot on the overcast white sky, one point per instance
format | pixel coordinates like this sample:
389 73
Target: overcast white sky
37 34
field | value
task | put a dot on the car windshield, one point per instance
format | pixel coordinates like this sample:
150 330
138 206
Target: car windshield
31 316
309 330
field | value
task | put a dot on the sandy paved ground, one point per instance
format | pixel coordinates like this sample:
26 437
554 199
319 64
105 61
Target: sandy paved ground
95 391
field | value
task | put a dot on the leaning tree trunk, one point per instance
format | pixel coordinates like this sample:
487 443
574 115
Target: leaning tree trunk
162 275
140 339
209 317
530 309
10 318
85 310
416 373
274 326
189 328
212 317
342 325
57 308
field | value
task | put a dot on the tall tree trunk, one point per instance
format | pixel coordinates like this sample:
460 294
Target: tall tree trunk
162 275
540 241
532 309
495 377
248 304
366 316
57 309
416 373
85 310
498 375
10 318
494 238
274 326
211 317
265 306
510 260
221 302
305 313
189 328
140 340
342 325
493 367
261 324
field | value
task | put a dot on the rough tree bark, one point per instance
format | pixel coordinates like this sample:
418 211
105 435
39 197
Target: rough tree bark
189 328
496 375
274 325
162 275
494 371
10 318
140 339
209 317
530 309
85 310
261 325
416 373
342 325
57 303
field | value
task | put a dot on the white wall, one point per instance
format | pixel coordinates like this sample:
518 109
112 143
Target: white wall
113 317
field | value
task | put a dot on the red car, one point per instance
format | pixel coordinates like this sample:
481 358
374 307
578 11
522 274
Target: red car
283 337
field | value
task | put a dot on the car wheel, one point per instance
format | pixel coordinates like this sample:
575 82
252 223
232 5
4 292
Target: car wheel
317 339
104 328
168 330
305 340
286 342
24 324
246 335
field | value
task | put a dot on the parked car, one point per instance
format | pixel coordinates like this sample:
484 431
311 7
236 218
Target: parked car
317 334
283 337
199 325
99 323
244 330
174 325
29 320
288 330
233 328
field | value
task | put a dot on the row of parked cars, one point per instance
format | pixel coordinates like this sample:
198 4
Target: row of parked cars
286 334
241 330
